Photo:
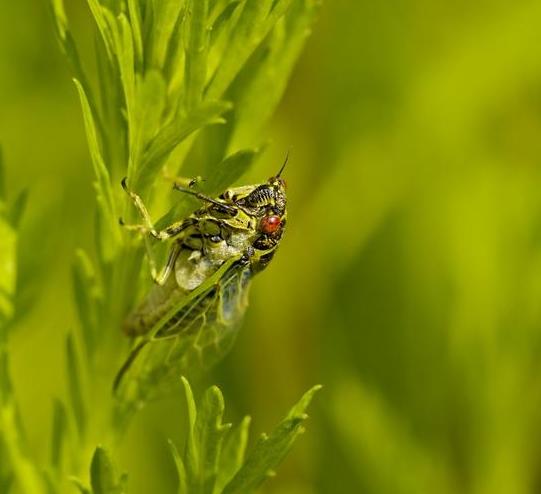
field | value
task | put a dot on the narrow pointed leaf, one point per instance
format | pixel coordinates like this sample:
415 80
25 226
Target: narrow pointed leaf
98 11
181 470
5 380
264 80
166 13
270 450
8 268
173 134
103 476
135 21
233 453
26 476
17 209
230 170
2 179
70 50
75 385
258 17
80 486
191 453
87 299
109 237
209 434
126 62
196 52
58 434
149 107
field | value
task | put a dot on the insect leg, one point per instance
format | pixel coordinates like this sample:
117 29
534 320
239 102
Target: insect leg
184 181
224 207
148 226
125 367
168 268
139 205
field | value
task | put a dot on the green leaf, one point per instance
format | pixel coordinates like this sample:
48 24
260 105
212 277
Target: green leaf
255 22
16 211
50 482
126 63
221 17
58 433
270 450
209 434
70 50
263 80
209 149
75 385
278 9
134 13
166 13
213 454
233 452
149 107
79 485
196 52
8 268
120 33
87 298
109 235
173 66
99 13
172 135
2 178
6 389
230 170
103 476
100 170
191 410
60 18
26 476
181 470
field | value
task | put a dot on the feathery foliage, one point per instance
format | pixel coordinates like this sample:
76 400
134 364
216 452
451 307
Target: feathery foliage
179 87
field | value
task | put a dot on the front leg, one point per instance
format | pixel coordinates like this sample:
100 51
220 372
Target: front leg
169 265
148 226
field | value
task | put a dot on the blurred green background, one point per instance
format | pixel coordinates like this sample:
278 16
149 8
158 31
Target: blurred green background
409 282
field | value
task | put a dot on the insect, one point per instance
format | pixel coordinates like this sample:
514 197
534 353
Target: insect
199 298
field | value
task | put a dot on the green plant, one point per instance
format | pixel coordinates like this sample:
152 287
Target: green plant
180 88
16 466
213 460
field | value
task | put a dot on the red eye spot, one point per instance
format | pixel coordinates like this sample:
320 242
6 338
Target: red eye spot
269 224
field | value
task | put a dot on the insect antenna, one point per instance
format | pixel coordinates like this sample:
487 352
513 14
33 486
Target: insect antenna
284 165
205 198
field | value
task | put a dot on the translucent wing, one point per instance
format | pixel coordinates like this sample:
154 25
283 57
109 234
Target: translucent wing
194 333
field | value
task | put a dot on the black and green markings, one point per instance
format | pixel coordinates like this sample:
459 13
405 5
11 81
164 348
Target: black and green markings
200 295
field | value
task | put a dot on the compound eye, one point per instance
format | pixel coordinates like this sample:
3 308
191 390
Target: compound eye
270 224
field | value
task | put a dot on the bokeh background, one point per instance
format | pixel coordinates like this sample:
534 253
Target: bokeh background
409 282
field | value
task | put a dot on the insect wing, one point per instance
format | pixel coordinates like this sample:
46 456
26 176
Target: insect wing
194 334
205 329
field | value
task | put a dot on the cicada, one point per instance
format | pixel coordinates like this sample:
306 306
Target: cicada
191 315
